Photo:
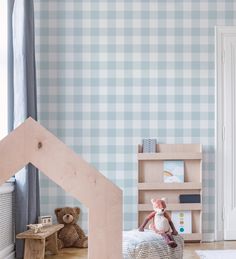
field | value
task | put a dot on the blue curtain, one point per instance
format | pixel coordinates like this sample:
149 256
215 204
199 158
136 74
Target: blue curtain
22 104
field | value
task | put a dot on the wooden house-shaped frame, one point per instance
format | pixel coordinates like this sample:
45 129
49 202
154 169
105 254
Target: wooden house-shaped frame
32 143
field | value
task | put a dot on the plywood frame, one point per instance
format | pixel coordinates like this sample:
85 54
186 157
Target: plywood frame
32 143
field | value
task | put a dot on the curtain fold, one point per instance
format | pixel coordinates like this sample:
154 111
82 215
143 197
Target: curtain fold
22 104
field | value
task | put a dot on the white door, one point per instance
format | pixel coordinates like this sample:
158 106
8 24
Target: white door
229 173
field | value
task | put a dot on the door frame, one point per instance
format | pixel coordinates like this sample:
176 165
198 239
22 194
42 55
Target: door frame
220 33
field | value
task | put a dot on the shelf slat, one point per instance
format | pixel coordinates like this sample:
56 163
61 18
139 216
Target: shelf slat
192 237
169 156
170 186
173 206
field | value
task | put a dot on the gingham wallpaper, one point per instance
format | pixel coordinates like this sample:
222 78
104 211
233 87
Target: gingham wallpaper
113 72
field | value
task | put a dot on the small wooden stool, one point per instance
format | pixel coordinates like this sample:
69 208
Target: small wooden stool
36 243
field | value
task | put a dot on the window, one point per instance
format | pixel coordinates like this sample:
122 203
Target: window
3 70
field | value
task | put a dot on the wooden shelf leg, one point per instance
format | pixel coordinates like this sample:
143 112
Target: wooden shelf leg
51 243
34 249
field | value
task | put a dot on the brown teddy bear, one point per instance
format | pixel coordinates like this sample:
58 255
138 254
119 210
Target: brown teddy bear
71 235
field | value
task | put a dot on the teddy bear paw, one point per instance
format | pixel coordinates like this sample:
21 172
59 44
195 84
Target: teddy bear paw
85 244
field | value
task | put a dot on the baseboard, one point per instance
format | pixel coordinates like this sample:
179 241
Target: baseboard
208 237
230 235
219 235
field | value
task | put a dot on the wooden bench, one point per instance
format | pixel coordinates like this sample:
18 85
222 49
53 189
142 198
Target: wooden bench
36 243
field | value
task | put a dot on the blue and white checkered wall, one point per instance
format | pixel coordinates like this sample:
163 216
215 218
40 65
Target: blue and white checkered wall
113 72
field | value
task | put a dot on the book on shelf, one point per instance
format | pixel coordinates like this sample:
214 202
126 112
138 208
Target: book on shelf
182 221
190 198
149 145
173 171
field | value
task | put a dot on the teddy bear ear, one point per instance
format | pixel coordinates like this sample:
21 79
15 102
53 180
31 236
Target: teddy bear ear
77 210
57 211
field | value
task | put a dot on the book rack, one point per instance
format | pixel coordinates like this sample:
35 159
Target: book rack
151 184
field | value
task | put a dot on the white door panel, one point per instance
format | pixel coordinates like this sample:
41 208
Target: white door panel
229 60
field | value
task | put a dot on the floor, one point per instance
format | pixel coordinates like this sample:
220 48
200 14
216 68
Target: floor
189 251
70 253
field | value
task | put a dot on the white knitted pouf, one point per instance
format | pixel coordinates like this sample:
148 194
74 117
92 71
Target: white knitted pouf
149 245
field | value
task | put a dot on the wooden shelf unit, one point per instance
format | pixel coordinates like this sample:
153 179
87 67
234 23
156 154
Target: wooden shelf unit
151 185
173 206
169 186
169 156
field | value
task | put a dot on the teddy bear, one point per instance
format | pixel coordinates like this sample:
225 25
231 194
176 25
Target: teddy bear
162 223
71 235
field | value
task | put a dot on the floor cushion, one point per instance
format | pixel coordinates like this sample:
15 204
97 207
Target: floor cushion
149 245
